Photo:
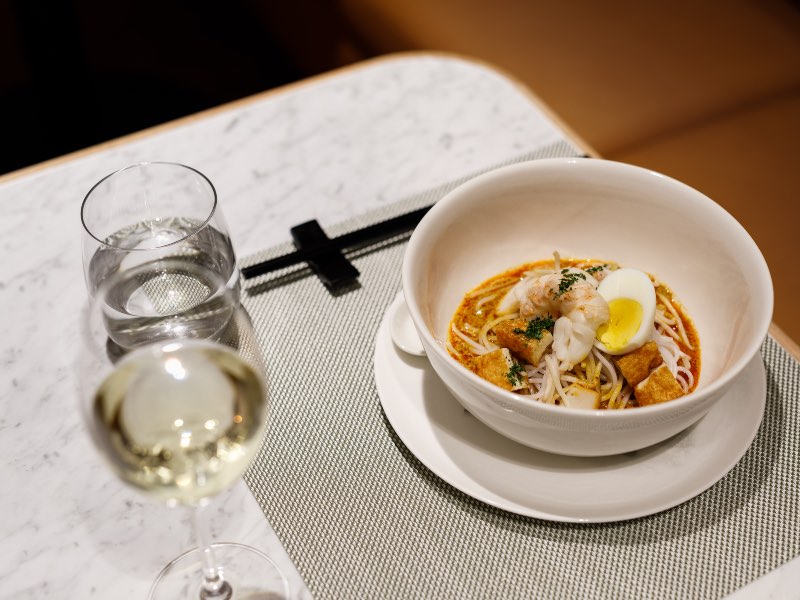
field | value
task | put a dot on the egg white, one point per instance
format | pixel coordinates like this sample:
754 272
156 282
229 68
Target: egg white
634 285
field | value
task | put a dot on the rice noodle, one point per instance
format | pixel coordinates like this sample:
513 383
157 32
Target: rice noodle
536 377
541 379
470 329
483 338
662 318
548 394
685 378
677 361
484 300
624 396
669 331
537 273
594 370
473 345
451 349
619 396
670 353
614 383
681 328
555 375
612 371
494 288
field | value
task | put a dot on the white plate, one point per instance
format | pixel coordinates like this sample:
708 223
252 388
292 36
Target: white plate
491 468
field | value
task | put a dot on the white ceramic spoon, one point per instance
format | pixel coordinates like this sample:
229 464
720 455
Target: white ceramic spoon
404 335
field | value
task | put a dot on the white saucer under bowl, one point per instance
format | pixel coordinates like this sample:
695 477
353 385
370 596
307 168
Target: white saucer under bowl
491 468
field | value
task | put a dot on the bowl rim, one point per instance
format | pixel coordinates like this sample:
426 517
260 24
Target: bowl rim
601 165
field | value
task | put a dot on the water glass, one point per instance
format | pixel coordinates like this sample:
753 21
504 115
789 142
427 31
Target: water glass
158 231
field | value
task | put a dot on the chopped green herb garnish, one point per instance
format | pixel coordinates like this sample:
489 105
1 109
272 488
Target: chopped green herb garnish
567 281
595 269
535 327
514 374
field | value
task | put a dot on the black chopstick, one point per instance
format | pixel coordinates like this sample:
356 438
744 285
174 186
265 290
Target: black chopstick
358 238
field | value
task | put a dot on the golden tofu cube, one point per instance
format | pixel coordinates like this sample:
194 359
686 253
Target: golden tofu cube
500 368
659 386
510 334
638 364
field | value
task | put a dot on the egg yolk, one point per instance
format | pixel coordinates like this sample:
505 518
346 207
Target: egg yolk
624 320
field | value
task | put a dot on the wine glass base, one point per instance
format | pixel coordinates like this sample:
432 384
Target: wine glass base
250 573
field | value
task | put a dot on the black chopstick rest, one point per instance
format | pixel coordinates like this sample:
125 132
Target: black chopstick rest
371 234
327 261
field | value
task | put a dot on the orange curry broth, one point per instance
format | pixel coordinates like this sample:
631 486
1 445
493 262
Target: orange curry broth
471 314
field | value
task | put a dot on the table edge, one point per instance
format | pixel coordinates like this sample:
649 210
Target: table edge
287 88
780 336
786 342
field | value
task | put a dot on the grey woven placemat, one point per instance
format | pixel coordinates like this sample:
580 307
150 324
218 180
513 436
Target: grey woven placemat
361 517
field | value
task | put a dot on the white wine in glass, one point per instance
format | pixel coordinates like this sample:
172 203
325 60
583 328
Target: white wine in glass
180 419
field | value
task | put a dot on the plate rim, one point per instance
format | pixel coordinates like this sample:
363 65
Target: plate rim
385 345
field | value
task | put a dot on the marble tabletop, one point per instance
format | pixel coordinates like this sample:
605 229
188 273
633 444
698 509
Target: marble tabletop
327 148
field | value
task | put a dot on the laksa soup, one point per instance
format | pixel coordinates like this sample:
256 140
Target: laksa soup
578 333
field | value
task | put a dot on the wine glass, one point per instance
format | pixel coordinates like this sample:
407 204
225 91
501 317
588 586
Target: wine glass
179 417
163 221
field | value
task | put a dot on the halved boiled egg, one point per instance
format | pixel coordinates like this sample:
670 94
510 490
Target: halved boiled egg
631 301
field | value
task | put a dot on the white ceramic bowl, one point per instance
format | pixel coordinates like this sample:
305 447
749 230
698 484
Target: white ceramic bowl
589 208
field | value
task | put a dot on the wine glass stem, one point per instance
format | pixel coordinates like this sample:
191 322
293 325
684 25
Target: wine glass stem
214 587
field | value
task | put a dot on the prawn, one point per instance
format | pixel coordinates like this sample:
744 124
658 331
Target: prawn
570 296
